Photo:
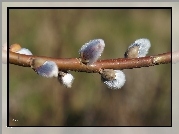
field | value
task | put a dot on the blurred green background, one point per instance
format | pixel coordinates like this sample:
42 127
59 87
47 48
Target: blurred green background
144 100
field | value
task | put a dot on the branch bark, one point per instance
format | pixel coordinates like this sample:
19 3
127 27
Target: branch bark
74 64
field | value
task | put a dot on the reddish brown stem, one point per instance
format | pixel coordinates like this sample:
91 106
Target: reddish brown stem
74 64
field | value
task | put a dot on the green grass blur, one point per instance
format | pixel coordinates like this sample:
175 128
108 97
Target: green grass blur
144 100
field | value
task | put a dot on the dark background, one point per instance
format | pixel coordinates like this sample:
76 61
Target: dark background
144 100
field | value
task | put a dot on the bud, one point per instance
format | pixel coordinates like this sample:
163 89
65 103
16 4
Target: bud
44 68
24 51
138 49
132 52
17 49
108 74
91 51
66 79
114 79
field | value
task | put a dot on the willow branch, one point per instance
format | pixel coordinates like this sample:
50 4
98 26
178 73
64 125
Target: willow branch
74 64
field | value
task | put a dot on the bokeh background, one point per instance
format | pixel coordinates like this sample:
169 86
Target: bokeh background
144 100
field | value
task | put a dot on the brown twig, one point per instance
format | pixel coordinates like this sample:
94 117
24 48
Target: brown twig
74 64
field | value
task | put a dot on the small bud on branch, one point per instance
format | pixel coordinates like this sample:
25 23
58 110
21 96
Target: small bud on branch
115 82
66 79
91 51
138 49
18 49
45 68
